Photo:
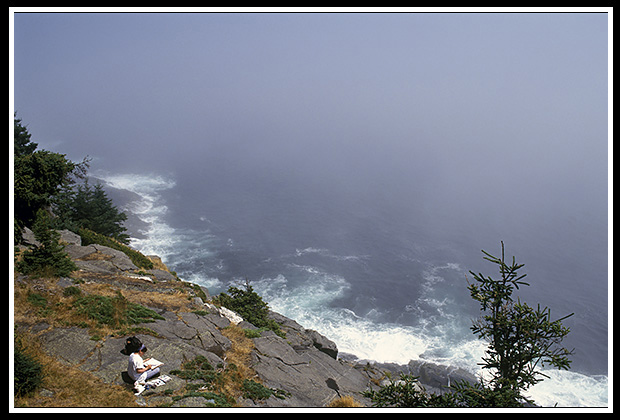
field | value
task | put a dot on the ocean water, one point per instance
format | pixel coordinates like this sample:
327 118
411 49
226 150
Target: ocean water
385 283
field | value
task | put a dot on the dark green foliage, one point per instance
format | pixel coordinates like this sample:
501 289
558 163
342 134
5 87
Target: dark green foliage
407 392
90 208
401 393
114 311
197 369
22 145
36 299
28 372
89 237
38 176
520 337
71 291
257 392
49 257
204 379
250 306
478 395
40 303
212 399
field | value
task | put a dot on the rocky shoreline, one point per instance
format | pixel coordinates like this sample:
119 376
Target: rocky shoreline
305 367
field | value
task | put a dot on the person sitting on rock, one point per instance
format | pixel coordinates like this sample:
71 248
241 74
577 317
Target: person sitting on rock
139 371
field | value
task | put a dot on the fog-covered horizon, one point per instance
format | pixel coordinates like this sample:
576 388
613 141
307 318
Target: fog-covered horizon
334 133
477 119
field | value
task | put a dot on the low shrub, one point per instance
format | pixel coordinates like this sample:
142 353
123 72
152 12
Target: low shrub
28 372
250 306
257 392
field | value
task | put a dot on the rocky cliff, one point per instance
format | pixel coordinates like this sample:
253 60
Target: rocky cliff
300 370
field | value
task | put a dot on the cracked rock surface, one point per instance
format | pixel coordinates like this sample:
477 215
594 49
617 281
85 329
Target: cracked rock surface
304 364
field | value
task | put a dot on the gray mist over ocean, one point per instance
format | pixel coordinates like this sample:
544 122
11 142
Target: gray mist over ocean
351 165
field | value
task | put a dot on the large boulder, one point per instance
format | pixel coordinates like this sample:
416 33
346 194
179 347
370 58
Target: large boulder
439 376
311 378
301 338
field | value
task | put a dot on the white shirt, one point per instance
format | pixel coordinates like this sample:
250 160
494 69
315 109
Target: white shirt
135 363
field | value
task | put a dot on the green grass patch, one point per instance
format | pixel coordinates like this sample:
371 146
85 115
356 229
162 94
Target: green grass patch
115 311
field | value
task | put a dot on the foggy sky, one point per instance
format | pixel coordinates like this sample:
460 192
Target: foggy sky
471 128
487 111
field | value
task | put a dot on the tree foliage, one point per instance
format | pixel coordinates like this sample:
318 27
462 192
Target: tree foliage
406 391
27 371
250 306
48 257
38 176
23 145
88 207
521 339
47 180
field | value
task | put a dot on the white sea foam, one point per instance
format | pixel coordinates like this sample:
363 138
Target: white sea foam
570 389
211 283
149 207
440 335
367 339
158 238
323 252
309 302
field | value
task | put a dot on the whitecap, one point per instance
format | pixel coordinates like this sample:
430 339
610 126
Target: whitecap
570 389
173 246
211 283
323 252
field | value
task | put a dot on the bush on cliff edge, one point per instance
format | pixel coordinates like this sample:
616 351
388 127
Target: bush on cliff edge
250 306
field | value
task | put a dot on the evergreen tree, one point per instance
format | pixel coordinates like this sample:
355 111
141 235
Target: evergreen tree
87 207
22 144
38 176
520 337
47 258
250 306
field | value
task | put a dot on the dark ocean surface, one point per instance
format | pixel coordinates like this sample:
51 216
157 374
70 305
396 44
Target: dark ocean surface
386 282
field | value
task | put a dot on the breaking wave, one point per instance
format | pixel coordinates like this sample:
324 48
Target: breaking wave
308 285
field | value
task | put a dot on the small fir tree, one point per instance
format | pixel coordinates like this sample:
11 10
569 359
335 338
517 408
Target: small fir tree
521 339
49 257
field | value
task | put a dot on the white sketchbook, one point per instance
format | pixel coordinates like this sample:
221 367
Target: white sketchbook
153 362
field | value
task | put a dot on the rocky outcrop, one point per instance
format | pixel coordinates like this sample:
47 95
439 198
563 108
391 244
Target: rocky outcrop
304 366
310 377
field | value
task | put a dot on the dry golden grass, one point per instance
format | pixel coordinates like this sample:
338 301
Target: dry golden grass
53 313
344 402
178 301
68 386
239 355
157 263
